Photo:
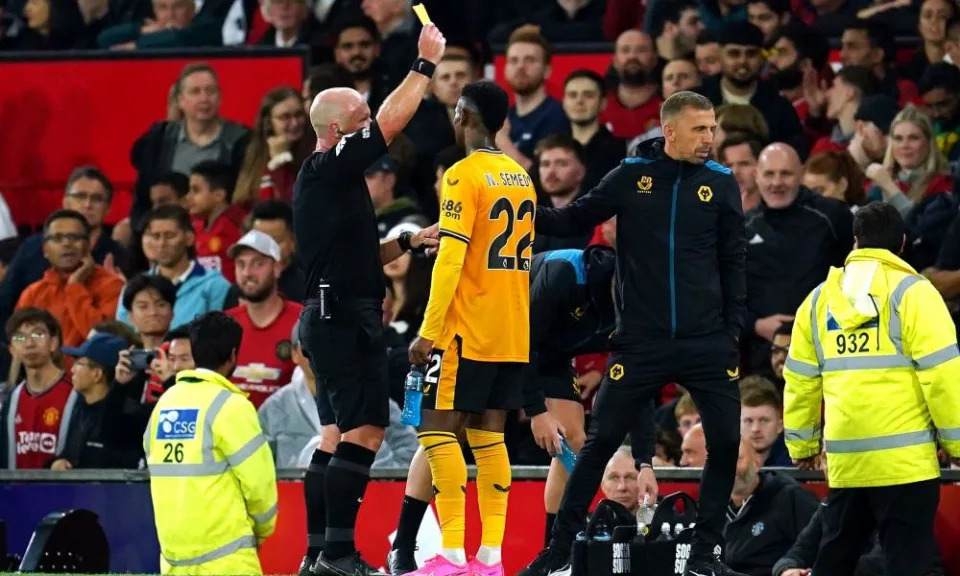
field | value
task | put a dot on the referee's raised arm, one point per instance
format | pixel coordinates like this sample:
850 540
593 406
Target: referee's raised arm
400 105
336 114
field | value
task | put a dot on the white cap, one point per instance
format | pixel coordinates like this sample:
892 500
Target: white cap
256 240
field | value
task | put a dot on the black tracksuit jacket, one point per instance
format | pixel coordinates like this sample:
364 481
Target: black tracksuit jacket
680 245
768 524
571 312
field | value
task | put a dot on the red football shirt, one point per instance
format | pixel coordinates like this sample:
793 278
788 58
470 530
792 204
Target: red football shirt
212 243
628 123
265 362
40 421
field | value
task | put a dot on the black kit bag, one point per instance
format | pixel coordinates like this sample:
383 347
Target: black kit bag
627 553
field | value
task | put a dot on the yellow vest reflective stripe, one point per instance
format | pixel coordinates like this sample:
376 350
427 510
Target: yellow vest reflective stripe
937 358
901 440
808 370
217 553
895 328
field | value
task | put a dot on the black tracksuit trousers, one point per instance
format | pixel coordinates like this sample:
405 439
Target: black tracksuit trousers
634 376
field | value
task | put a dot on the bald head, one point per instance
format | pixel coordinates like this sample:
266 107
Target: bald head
780 153
779 172
694 448
620 479
336 112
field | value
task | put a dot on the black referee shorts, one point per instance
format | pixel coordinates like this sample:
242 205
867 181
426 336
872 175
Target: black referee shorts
348 358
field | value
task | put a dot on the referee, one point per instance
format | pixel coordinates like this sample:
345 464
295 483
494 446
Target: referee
340 327
680 301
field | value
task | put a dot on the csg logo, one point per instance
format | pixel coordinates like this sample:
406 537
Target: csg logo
452 209
177 424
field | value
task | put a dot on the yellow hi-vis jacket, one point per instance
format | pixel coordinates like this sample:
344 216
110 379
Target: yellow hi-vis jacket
875 342
212 477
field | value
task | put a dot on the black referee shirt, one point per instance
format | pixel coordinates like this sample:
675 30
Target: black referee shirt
334 221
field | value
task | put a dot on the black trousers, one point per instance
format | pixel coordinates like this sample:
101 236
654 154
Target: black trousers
626 394
903 515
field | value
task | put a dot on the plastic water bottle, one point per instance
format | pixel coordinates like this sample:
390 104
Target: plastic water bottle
566 455
664 532
412 397
645 515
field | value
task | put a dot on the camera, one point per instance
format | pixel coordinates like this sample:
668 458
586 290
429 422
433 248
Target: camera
140 359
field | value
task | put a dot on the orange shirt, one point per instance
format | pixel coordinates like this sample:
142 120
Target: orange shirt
78 307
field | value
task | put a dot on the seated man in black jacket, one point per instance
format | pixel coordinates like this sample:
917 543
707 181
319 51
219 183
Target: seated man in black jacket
101 434
766 513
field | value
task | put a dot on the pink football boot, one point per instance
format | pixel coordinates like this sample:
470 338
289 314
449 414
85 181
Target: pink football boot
440 566
478 568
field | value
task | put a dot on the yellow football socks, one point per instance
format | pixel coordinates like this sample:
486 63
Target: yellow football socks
493 484
449 484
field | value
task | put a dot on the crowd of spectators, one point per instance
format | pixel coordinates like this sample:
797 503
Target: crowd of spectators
95 314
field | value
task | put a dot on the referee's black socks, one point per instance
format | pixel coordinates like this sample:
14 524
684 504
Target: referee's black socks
313 487
347 477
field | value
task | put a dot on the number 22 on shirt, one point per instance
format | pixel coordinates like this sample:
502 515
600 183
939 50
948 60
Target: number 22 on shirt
489 203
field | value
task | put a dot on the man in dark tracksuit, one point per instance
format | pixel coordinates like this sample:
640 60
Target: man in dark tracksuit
681 291
571 313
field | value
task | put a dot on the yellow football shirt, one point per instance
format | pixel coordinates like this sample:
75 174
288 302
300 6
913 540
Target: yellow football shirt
487 202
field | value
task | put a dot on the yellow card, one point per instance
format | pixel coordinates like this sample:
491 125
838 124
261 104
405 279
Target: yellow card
421 13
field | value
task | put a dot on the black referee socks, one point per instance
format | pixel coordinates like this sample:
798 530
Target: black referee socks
347 477
313 487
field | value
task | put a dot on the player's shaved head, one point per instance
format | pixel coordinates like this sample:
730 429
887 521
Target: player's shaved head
337 112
